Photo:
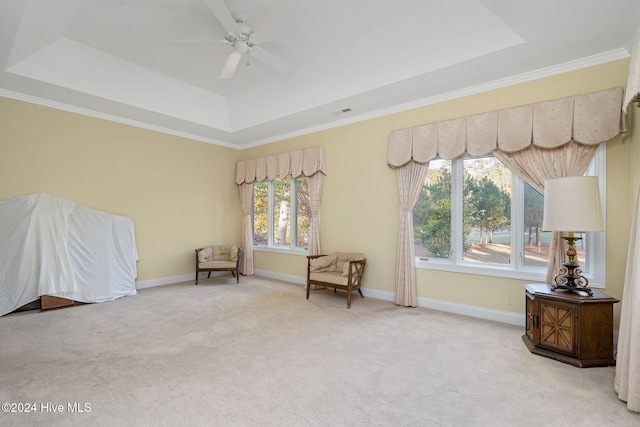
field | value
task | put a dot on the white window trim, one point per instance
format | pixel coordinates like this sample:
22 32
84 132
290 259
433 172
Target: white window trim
281 250
596 244
292 248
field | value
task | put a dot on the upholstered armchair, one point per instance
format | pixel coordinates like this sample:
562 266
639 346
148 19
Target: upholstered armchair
339 270
218 258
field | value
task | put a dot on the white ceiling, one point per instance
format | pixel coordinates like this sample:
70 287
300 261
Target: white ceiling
119 59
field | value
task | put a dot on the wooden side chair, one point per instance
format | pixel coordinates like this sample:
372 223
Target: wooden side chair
218 258
338 271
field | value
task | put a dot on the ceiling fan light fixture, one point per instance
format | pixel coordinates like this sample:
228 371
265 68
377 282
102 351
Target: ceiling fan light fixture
241 46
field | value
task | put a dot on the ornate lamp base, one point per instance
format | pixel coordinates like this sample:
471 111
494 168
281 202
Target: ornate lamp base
570 276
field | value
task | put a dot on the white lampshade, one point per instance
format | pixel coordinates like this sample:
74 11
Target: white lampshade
572 204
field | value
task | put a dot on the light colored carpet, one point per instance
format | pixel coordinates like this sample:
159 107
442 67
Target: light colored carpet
259 354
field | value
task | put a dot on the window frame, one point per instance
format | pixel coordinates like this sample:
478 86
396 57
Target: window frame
293 247
596 242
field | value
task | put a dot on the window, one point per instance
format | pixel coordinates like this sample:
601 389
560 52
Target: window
476 216
281 213
486 211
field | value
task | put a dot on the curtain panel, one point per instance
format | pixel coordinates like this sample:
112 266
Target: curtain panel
410 180
315 194
246 201
627 378
538 141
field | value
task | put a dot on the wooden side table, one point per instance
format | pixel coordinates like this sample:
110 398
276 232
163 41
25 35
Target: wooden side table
571 327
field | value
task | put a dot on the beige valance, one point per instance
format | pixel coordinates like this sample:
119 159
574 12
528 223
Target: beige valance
633 80
587 119
295 163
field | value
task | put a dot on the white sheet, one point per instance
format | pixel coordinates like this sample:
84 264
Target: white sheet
51 246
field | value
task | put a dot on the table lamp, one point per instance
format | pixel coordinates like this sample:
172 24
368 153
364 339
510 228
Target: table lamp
572 204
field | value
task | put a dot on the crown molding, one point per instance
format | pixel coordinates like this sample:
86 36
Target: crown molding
578 64
590 61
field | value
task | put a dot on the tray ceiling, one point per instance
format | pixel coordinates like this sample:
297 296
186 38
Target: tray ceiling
128 61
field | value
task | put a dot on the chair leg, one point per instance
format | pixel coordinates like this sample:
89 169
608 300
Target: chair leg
308 289
349 297
196 277
209 275
359 291
237 277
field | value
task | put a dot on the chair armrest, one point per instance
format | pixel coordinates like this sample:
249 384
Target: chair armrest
309 258
357 267
239 256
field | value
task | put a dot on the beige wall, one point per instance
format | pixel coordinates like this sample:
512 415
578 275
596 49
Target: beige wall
360 206
179 192
166 184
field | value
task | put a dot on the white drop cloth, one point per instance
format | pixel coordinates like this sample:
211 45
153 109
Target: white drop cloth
51 246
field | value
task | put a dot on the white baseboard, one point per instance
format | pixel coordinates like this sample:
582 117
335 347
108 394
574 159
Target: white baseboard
279 276
163 281
173 279
473 311
449 307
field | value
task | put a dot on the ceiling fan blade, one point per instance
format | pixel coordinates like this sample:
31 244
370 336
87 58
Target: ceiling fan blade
230 66
271 60
223 15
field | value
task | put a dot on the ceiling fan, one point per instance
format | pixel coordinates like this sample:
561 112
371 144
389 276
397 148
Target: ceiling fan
244 40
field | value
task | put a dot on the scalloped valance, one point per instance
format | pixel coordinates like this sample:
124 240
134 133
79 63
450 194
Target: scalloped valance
632 93
587 119
295 163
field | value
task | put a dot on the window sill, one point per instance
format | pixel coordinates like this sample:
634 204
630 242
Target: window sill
281 250
490 270
482 270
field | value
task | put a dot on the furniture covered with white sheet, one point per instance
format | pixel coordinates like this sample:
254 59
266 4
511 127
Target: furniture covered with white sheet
52 246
